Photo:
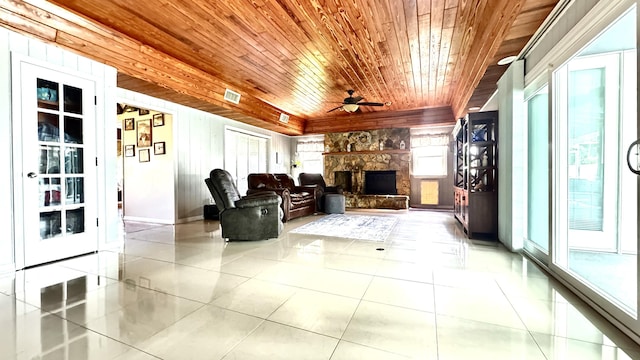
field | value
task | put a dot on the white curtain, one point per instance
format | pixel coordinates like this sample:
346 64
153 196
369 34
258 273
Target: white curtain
308 157
424 140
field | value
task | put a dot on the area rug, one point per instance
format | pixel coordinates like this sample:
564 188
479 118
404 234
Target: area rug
361 227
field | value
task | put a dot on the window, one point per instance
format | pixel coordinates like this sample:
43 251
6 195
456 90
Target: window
309 154
430 161
429 152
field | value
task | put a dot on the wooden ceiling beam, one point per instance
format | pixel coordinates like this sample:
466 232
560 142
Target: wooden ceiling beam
138 85
62 28
381 120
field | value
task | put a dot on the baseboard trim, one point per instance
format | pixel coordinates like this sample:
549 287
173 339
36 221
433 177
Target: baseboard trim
189 219
8 268
148 220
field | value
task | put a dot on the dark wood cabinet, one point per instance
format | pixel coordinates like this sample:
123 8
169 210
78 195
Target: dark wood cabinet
476 174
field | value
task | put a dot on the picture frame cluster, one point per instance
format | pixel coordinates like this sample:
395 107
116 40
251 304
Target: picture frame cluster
144 136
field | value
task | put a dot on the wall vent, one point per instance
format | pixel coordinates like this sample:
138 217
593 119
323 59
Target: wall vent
232 96
284 118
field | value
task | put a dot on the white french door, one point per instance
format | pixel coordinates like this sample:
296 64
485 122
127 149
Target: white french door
55 161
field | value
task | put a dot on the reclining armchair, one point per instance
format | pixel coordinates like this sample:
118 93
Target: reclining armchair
310 179
254 217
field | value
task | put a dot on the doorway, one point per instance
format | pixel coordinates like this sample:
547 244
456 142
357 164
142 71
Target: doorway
146 167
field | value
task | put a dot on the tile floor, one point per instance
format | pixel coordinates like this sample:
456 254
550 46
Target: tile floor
181 292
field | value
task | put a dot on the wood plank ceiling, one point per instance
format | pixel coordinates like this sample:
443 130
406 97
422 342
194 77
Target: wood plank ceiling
430 59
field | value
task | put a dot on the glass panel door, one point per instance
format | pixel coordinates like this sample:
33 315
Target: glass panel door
596 195
57 124
537 239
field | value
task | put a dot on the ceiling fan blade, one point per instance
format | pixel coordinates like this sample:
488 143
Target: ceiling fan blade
335 108
364 103
356 99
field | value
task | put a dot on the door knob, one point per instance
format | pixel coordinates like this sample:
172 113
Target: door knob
31 175
634 169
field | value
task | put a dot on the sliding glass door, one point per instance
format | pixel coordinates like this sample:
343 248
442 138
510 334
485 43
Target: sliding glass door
595 194
537 233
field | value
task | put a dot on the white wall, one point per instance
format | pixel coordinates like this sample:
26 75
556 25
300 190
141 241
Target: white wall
148 187
198 138
6 206
105 78
511 160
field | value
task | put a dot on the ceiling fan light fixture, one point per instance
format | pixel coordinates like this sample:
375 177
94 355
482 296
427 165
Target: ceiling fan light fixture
507 60
350 107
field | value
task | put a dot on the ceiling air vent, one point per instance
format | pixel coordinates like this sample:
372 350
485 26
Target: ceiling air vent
284 118
232 96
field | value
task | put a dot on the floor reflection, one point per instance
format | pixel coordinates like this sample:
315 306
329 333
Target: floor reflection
181 291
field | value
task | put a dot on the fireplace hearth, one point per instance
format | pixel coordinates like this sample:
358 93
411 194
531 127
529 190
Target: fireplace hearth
380 182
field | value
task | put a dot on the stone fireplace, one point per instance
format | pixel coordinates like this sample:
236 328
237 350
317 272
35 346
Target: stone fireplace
343 178
384 151
357 164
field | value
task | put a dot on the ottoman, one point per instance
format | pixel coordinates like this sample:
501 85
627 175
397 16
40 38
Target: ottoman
334 204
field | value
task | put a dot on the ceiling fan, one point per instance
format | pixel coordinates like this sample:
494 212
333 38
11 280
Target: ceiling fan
351 103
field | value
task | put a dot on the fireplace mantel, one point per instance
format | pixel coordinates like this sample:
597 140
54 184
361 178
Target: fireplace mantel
388 151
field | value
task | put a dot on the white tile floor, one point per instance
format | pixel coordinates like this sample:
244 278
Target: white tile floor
181 292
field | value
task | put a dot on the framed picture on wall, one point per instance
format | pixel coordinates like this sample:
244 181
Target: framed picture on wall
158 119
144 155
129 150
143 112
158 148
144 133
128 124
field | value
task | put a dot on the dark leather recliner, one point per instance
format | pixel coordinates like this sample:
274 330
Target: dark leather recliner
297 201
311 179
254 217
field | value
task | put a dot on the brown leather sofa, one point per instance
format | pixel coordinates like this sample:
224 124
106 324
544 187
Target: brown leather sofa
297 201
